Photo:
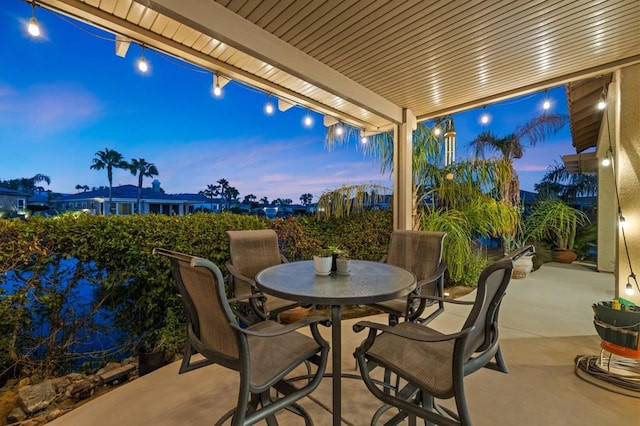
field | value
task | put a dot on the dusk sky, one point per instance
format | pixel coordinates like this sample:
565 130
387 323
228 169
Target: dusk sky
66 95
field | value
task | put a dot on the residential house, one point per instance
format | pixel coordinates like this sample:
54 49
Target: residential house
124 201
12 200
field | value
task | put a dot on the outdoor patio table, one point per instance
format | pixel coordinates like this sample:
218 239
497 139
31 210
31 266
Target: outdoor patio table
368 282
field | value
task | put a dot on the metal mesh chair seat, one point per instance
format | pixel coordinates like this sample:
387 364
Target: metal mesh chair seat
421 253
274 357
427 364
263 354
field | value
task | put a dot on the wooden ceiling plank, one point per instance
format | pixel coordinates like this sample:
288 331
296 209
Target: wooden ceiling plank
122 8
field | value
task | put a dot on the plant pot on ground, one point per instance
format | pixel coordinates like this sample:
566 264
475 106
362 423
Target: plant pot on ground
160 346
555 221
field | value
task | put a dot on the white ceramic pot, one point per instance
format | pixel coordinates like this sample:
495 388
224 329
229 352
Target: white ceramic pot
343 266
522 267
322 265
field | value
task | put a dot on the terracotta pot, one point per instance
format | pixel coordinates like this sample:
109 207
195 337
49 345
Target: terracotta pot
565 256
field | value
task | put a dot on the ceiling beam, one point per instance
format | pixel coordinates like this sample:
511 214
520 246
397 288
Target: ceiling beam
222 24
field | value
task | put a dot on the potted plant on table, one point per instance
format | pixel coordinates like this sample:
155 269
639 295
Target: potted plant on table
322 261
554 220
343 263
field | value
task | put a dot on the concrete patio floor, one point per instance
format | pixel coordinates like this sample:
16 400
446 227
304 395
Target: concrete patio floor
545 321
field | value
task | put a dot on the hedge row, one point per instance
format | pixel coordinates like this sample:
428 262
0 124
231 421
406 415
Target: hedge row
46 265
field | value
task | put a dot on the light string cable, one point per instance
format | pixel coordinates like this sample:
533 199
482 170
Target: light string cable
632 275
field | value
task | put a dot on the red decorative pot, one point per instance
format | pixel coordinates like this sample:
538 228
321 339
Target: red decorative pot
565 256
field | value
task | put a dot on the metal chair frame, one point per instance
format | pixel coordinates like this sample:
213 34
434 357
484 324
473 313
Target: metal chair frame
473 348
231 345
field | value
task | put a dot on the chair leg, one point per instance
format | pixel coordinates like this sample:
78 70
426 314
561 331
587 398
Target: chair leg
502 365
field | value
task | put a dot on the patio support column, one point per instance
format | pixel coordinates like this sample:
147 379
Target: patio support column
403 173
627 161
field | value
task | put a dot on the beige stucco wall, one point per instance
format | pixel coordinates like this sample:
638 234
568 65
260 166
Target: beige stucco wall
607 204
627 160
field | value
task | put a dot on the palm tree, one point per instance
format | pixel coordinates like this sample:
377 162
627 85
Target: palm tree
512 147
108 159
210 193
143 169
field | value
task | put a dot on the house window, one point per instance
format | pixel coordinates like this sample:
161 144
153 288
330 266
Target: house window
22 203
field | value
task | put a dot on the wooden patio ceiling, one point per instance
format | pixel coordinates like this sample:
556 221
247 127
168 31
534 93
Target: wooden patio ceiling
364 62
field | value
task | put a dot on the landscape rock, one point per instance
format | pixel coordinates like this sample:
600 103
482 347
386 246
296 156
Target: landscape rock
82 389
54 414
16 415
117 374
34 398
8 402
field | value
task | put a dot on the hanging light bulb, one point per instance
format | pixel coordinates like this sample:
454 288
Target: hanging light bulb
307 121
602 101
622 221
606 162
33 27
268 107
437 131
628 289
484 118
363 137
339 129
143 65
217 89
546 103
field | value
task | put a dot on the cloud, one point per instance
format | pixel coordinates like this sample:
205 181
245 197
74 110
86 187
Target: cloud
43 109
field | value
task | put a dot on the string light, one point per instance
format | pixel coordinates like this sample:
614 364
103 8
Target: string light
629 288
484 118
33 27
217 90
143 65
602 101
307 121
268 107
546 104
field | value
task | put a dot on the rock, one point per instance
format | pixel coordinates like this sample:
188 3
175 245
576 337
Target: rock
118 374
54 414
74 377
81 390
16 415
8 402
130 360
61 383
34 398
110 366
24 382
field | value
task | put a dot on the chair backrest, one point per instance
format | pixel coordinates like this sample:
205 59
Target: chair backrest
251 252
492 285
201 286
417 251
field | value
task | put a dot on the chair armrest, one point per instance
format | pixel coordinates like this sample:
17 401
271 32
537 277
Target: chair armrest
444 299
383 259
283 259
235 274
247 297
408 334
285 329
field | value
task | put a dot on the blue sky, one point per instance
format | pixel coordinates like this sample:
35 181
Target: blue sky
67 95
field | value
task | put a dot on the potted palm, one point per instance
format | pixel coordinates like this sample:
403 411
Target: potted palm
554 220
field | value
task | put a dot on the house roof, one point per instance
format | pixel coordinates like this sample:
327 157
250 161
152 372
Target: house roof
13 192
131 191
368 62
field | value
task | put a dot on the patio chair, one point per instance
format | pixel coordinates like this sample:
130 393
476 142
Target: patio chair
251 252
421 253
431 364
263 354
